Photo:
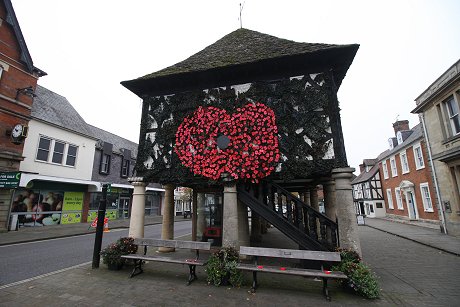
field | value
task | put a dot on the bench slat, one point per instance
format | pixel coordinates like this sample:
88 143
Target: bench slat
173 243
290 253
166 259
291 271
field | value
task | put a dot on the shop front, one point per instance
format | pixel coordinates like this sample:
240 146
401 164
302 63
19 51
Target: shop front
46 203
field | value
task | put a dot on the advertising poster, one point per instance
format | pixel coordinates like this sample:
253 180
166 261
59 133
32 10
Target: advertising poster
73 201
37 207
109 213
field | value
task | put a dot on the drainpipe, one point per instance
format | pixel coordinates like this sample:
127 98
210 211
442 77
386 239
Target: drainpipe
435 179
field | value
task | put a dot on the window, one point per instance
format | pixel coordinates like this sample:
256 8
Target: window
426 197
399 202
394 170
105 163
43 149
404 162
390 199
385 169
418 156
58 152
452 110
71 155
125 167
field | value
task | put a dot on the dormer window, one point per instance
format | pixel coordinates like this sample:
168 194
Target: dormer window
106 158
390 143
399 137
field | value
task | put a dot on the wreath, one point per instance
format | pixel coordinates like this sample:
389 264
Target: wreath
243 145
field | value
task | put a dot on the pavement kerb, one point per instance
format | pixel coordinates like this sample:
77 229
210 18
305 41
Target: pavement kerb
416 241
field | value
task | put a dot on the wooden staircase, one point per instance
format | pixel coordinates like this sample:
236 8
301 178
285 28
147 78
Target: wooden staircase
306 226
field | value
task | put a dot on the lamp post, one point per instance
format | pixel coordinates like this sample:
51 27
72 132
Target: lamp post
100 227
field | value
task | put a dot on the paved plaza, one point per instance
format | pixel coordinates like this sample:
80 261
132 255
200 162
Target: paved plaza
410 274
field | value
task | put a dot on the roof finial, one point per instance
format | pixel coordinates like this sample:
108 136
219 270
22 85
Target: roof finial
241 20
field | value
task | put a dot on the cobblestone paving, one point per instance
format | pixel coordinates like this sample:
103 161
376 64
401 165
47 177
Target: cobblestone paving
411 274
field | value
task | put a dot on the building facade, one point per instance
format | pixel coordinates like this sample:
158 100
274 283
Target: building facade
18 79
438 107
367 190
66 162
407 183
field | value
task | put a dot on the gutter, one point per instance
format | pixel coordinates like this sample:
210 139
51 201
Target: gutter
440 207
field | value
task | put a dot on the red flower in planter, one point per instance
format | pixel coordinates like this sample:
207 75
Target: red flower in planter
244 145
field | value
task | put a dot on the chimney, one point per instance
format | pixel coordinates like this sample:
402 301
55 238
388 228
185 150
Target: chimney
401 125
361 168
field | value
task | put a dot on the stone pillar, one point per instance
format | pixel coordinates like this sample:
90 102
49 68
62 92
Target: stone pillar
243 224
167 230
136 222
348 226
330 200
200 218
194 216
230 217
314 198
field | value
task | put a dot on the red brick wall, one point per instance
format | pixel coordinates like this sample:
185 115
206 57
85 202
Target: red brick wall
12 110
416 177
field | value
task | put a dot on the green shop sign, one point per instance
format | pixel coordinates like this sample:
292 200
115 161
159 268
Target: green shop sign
10 180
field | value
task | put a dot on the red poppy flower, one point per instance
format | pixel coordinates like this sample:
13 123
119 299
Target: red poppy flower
211 142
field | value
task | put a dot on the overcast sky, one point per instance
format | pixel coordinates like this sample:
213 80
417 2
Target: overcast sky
88 47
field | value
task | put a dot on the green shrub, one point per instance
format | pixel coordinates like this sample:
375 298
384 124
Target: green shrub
221 268
360 278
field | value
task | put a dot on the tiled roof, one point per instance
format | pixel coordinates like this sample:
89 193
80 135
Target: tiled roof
118 142
365 176
56 109
416 135
240 47
235 52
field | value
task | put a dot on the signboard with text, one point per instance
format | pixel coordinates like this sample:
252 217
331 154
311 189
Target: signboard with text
10 180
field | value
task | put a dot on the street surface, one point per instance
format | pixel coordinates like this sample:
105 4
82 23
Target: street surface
25 260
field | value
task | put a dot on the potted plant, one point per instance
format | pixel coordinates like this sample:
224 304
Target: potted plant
111 255
221 268
360 277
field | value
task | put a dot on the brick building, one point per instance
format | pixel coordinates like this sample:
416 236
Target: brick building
406 176
18 80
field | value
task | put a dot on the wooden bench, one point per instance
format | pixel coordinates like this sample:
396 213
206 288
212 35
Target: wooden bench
192 262
320 256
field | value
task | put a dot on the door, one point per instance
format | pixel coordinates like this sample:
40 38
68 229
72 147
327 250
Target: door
123 207
411 206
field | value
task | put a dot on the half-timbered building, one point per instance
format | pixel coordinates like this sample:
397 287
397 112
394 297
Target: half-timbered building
367 190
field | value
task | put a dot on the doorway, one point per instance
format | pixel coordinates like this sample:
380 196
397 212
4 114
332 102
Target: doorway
411 205
123 207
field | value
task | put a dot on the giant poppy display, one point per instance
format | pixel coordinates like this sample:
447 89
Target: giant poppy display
242 145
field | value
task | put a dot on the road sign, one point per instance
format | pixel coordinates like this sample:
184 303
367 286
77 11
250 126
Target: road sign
10 180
